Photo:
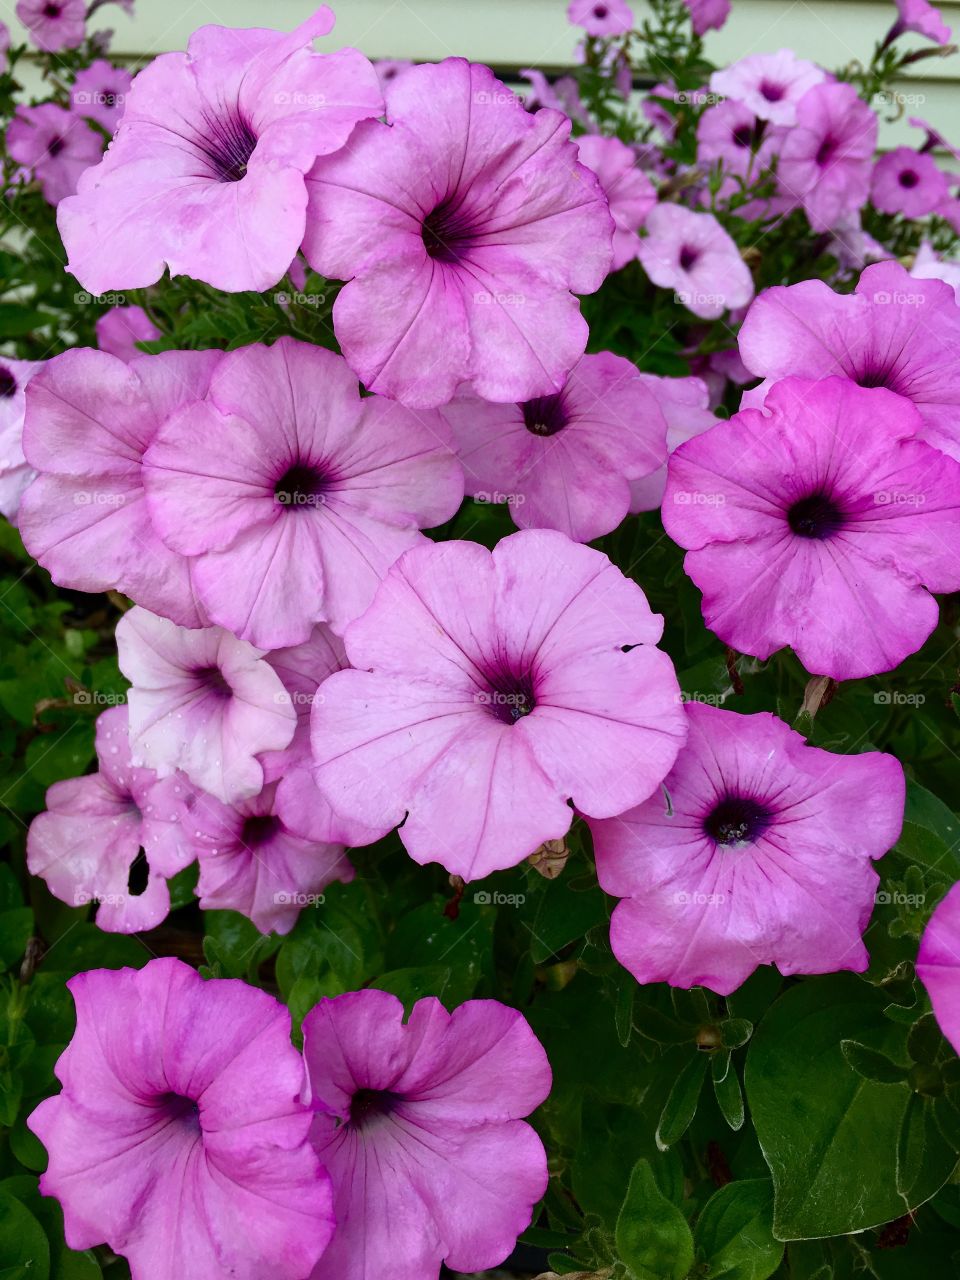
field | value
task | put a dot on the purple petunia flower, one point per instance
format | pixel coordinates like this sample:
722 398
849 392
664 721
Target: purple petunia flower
55 146
464 226
920 17
100 93
685 404
928 265
388 69
53 24
630 192
178 1137
206 173
895 332
489 690
827 158
759 852
15 472
601 17
819 523
564 461
691 254
769 84
708 15
121 328
89 420
420 1124
91 834
293 493
938 964
203 702
906 182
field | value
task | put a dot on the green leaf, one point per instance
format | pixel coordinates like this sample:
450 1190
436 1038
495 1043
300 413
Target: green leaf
411 985
681 1105
24 1250
872 1065
726 1085
652 1236
16 926
734 1233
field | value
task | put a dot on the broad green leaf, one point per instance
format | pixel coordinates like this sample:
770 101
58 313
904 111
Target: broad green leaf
652 1235
681 1105
24 1250
734 1233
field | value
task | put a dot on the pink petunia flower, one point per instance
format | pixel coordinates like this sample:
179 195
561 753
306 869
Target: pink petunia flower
708 15
206 173
819 523
601 17
827 158
55 146
202 702
938 964
89 419
906 182
86 842
252 863
490 689
769 84
388 69
420 1124
928 265
53 24
691 254
761 855
178 1137
730 133
564 461
563 94
685 404
629 191
295 494
121 328
15 472
920 17
894 331
462 242
100 93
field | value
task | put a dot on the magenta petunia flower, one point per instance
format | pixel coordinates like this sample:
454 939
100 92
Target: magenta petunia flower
100 93
928 265
685 404
55 146
770 84
827 158
53 24
89 419
15 472
731 136
203 702
629 191
563 94
293 493
420 1124
206 173
564 461
601 17
904 181
938 964
489 690
920 17
463 225
819 523
895 331
178 1137
252 863
691 254
757 851
121 328
388 69
708 15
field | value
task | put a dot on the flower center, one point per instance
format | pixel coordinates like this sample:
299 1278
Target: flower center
55 146
259 828
509 698
600 11
909 179
108 97
689 257
180 1110
228 144
877 375
827 148
213 681
368 1104
138 877
52 10
545 415
772 92
737 820
446 233
742 135
8 383
300 486
816 516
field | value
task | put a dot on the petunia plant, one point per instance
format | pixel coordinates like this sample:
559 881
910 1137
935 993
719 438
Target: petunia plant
479 671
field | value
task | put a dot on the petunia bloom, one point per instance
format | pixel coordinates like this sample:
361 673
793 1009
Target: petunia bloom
420 1124
708 15
89 419
730 133
53 25
906 182
601 17
490 689
938 964
630 192
100 93
15 472
94 828
293 494
770 84
203 702
685 404
894 331
121 328
564 461
819 523
758 851
463 226
920 17
928 265
178 1137
55 146
691 254
206 172
827 158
